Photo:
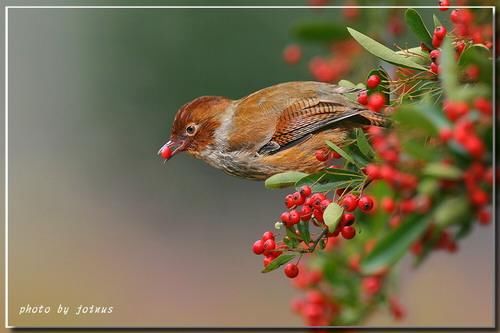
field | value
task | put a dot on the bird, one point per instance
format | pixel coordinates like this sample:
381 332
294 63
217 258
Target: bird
273 130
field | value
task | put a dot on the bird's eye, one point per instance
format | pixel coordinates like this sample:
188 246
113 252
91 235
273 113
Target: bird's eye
191 129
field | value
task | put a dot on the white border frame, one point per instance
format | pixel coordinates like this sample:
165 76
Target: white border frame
6 259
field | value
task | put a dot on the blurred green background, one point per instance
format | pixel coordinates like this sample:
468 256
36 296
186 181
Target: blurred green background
97 218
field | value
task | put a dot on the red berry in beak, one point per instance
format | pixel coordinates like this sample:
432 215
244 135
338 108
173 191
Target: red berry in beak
166 153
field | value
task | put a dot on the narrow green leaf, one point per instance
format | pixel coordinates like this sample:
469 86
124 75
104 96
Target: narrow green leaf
417 26
346 84
340 151
452 211
449 70
285 179
330 180
304 231
280 261
410 117
363 144
332 215
394 246
437 23
441 170
383 52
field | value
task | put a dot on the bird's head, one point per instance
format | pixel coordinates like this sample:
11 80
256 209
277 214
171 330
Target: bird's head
194 126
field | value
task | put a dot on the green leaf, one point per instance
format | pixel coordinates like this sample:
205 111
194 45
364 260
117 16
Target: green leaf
383 52
443 171
346 84
332 215
437 23
363 144
394 246
449 70
417 26
340 151
320 32
304 231
452 211
285 179
479 55
280 261
331 179
418 149
410 117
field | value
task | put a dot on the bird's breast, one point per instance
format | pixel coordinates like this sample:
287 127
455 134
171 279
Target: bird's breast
237 163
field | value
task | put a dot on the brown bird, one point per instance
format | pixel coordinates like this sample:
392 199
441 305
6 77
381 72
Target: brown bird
273 130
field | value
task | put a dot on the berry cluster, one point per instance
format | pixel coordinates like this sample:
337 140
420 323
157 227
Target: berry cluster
375 100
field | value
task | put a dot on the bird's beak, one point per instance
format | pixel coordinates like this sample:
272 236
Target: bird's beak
172 147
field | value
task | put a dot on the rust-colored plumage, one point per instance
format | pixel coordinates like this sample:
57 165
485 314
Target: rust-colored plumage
273 130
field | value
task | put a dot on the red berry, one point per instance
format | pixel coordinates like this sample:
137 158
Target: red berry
444 4
484 217
334 155
267 260
474 146
166 153
305 213
395 221
371 285
267 235
408 206
298 199
285 218
434 55
373 81
372 171
436 42
365 203
363 98
292 54
440 32
388 204
350 202
294 217
348 232
483 105
445 134
396 309
289 202
478 197
376 102
291 270
454 110
461 16
325 204
269 245
258 247
318 215
472 72
316 199
455 16
434 68
305 191
321 155
347 219
459 47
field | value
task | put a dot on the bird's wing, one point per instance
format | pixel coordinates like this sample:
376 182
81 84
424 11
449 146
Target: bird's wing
275 118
